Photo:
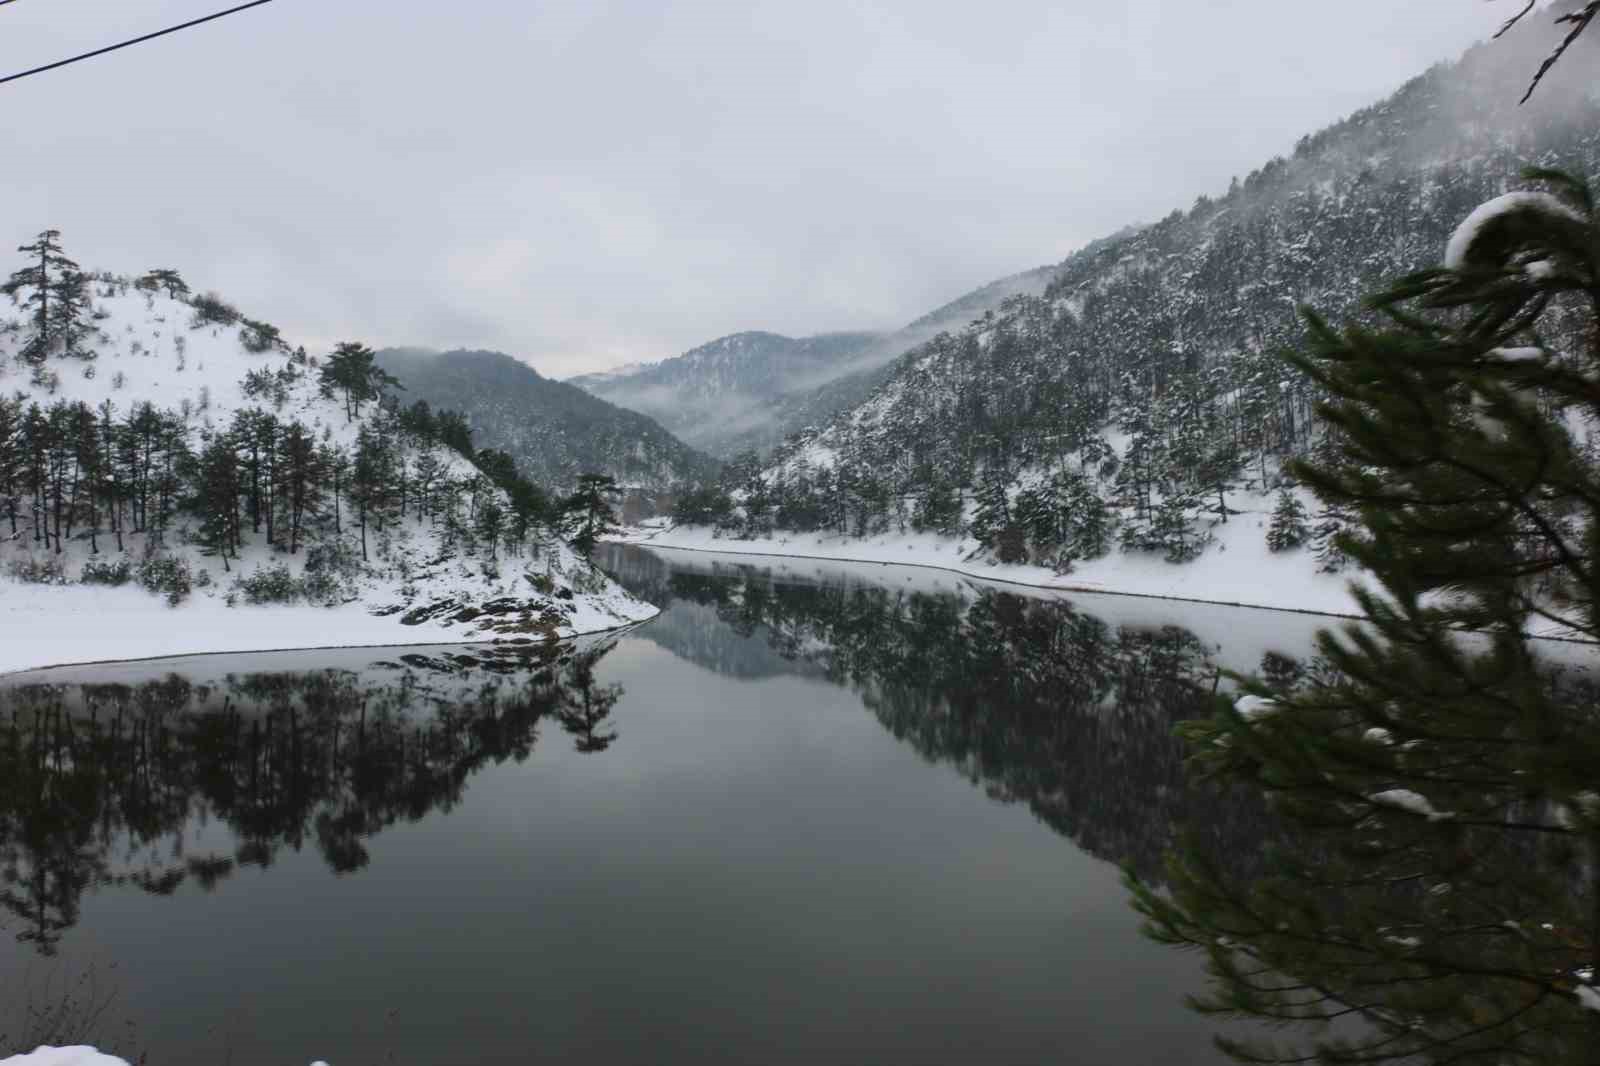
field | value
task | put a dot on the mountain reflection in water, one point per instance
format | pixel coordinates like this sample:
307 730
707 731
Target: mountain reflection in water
721 848
1030 698
99 780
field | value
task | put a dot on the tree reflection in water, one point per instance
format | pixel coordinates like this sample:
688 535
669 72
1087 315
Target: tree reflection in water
100 782
1032 699
1460 935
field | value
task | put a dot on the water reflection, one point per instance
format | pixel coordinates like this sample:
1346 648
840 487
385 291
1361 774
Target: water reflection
103 783
1030 698
1396 931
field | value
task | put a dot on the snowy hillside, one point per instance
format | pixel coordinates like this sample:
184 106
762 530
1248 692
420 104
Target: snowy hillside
554 430
747 391
720 395
157 447
1137 406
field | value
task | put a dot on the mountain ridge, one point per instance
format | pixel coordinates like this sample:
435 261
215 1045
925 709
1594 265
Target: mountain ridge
746 391
554 430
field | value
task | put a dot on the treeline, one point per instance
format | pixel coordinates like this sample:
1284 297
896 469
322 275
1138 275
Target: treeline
56 295
106 473
1165 342
93 773
69 470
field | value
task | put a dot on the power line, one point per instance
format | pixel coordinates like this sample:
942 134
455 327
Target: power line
126 44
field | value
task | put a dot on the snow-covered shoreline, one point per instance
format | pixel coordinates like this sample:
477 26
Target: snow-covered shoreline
1236 570
40 624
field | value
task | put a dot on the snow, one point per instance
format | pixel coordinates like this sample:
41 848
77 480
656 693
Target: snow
73 1056
1518 355
1414 802
56 625
1466 235
1254 708
63 1056
1235 569
1238 636
147 351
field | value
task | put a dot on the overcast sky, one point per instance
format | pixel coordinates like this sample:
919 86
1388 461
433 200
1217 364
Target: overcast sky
583 184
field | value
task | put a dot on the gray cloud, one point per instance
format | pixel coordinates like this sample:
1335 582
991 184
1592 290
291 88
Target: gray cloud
589 183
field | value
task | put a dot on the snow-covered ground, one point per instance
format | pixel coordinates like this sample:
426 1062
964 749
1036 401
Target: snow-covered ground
414 589
1236 568
63 1056
55 625
72 1056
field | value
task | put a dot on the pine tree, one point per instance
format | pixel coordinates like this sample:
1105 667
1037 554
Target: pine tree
1288 528
302 473
218 488
938 507
1326 537
166 279
588 512
11 450
1442 887
42 282
992 513
351 372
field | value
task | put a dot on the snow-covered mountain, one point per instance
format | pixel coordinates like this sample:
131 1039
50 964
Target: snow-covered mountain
750 390
1136 412
553 430
161 448
1139 400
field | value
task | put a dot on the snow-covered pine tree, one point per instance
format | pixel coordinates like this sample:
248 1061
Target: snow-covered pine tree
1441 886
589 512
1331 521
1288 527
41 283
992 513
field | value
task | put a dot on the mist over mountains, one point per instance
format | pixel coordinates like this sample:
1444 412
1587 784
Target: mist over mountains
747 391
1146 375
553 430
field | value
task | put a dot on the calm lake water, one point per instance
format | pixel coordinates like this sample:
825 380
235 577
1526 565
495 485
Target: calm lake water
811 814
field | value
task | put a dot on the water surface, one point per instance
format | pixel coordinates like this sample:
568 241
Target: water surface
807 815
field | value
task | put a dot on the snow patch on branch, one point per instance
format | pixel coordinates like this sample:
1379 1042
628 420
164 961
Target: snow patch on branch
1412 802
1253 708
1459 249
63 1056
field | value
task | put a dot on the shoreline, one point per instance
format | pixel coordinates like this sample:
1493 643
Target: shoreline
1063 584
328 647
253 637
1085 590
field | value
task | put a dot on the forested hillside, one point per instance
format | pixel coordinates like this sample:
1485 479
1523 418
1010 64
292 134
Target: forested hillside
554 431
1132 401
716 396
158 441
748 391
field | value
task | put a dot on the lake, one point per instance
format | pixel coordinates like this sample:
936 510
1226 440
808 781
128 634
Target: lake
813 813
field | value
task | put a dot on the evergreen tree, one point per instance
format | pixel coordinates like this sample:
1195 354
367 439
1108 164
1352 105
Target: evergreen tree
1442 886
42 282
1288 528
1172 532
165 279
301 478
218 487
69 309
938 506
588 512
993 511
351 372
1326 537
11 449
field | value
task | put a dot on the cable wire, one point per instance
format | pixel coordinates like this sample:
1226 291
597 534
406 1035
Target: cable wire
129 43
